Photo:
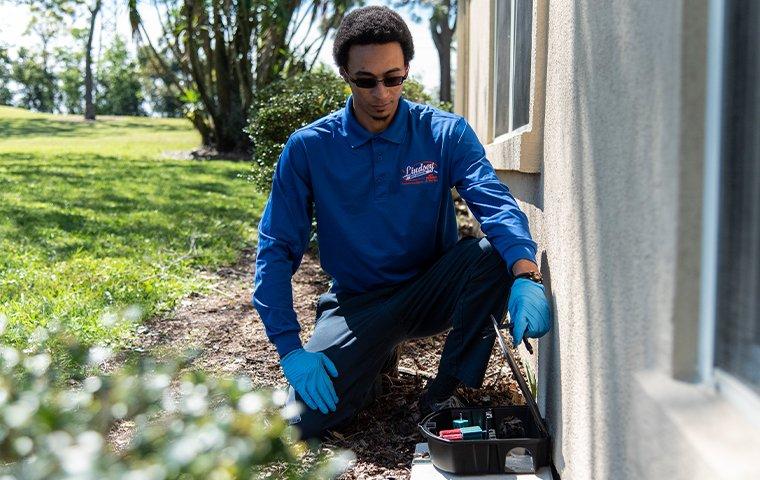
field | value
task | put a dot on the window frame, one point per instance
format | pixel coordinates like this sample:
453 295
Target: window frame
733 389
499 137
520 149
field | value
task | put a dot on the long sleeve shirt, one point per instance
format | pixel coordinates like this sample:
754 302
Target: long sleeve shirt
383 206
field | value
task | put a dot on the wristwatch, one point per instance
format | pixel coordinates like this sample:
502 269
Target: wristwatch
532 276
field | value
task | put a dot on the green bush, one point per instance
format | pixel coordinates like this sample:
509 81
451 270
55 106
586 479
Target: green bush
186 425
285 106
289 104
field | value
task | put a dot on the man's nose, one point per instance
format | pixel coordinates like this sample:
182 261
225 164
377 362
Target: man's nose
380 90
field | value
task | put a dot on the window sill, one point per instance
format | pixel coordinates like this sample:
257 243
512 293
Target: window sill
516 151
714 438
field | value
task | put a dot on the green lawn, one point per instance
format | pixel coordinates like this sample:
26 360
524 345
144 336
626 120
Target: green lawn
94 220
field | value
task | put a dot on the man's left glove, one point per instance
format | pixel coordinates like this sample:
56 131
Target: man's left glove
529 310
307 373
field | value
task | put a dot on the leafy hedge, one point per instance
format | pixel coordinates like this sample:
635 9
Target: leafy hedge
289 104
186 425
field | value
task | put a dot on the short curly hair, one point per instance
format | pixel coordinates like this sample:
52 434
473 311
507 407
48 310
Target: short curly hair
371 25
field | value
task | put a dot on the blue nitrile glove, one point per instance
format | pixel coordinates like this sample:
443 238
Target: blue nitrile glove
529 309
307 373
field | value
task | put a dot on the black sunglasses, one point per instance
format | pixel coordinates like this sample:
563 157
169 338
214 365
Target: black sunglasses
372 82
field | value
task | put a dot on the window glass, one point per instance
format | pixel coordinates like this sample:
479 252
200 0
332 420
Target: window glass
502 50
737 348
512 50
521 83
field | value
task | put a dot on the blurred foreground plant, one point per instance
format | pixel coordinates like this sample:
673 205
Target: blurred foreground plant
186 425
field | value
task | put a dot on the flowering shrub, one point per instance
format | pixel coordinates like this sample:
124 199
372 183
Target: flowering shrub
186 425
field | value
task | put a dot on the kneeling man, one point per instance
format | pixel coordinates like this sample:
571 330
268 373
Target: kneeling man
377 175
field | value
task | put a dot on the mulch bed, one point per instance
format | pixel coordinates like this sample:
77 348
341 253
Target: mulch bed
231 337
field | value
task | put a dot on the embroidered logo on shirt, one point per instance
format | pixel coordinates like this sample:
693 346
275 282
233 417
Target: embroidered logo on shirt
423 172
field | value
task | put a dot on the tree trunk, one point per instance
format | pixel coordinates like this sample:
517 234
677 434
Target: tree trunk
89 105
443 34
444 65
228 126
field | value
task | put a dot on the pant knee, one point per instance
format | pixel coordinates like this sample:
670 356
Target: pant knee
490 265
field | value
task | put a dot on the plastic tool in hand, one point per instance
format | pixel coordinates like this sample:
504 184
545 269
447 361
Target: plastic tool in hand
510 327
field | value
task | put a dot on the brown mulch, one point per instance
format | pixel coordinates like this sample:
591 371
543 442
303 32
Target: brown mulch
231 337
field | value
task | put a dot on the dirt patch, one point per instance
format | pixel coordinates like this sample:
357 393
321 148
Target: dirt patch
231 337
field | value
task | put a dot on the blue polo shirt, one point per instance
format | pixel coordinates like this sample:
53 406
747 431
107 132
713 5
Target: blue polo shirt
383 206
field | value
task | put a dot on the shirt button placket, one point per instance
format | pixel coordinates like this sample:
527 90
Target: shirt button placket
381 189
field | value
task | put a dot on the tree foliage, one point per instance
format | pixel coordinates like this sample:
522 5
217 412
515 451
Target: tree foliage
119 92
70 81
228 49
37 84
160 98
6 96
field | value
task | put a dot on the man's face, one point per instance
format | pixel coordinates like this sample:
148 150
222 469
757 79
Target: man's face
375 107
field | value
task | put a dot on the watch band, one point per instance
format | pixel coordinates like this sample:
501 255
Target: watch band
532 276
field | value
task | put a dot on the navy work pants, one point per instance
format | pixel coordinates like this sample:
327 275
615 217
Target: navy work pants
359 333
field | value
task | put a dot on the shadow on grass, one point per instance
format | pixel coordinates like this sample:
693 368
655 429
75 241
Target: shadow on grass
101 203
67 127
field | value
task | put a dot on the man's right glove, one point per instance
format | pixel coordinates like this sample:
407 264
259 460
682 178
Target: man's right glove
307 374
529 310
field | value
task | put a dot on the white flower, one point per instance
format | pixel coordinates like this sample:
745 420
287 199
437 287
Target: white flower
223 415
17 414
184 450
153 472
90 441
58 440
211 437
279 397
132 313
39 335
109 319
79 458
251 403
23 445
339 463
92 384
119 410
37 365
194 404
10 356
168 402
244 384
291 410
3 322
186 387
73 399
99 354
157 381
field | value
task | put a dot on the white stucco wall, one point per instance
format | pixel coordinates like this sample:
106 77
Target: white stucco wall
615 217
609 220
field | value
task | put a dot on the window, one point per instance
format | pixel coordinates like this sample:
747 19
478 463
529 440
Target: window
512 64
737 327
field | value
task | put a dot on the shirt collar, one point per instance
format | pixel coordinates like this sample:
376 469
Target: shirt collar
357 135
